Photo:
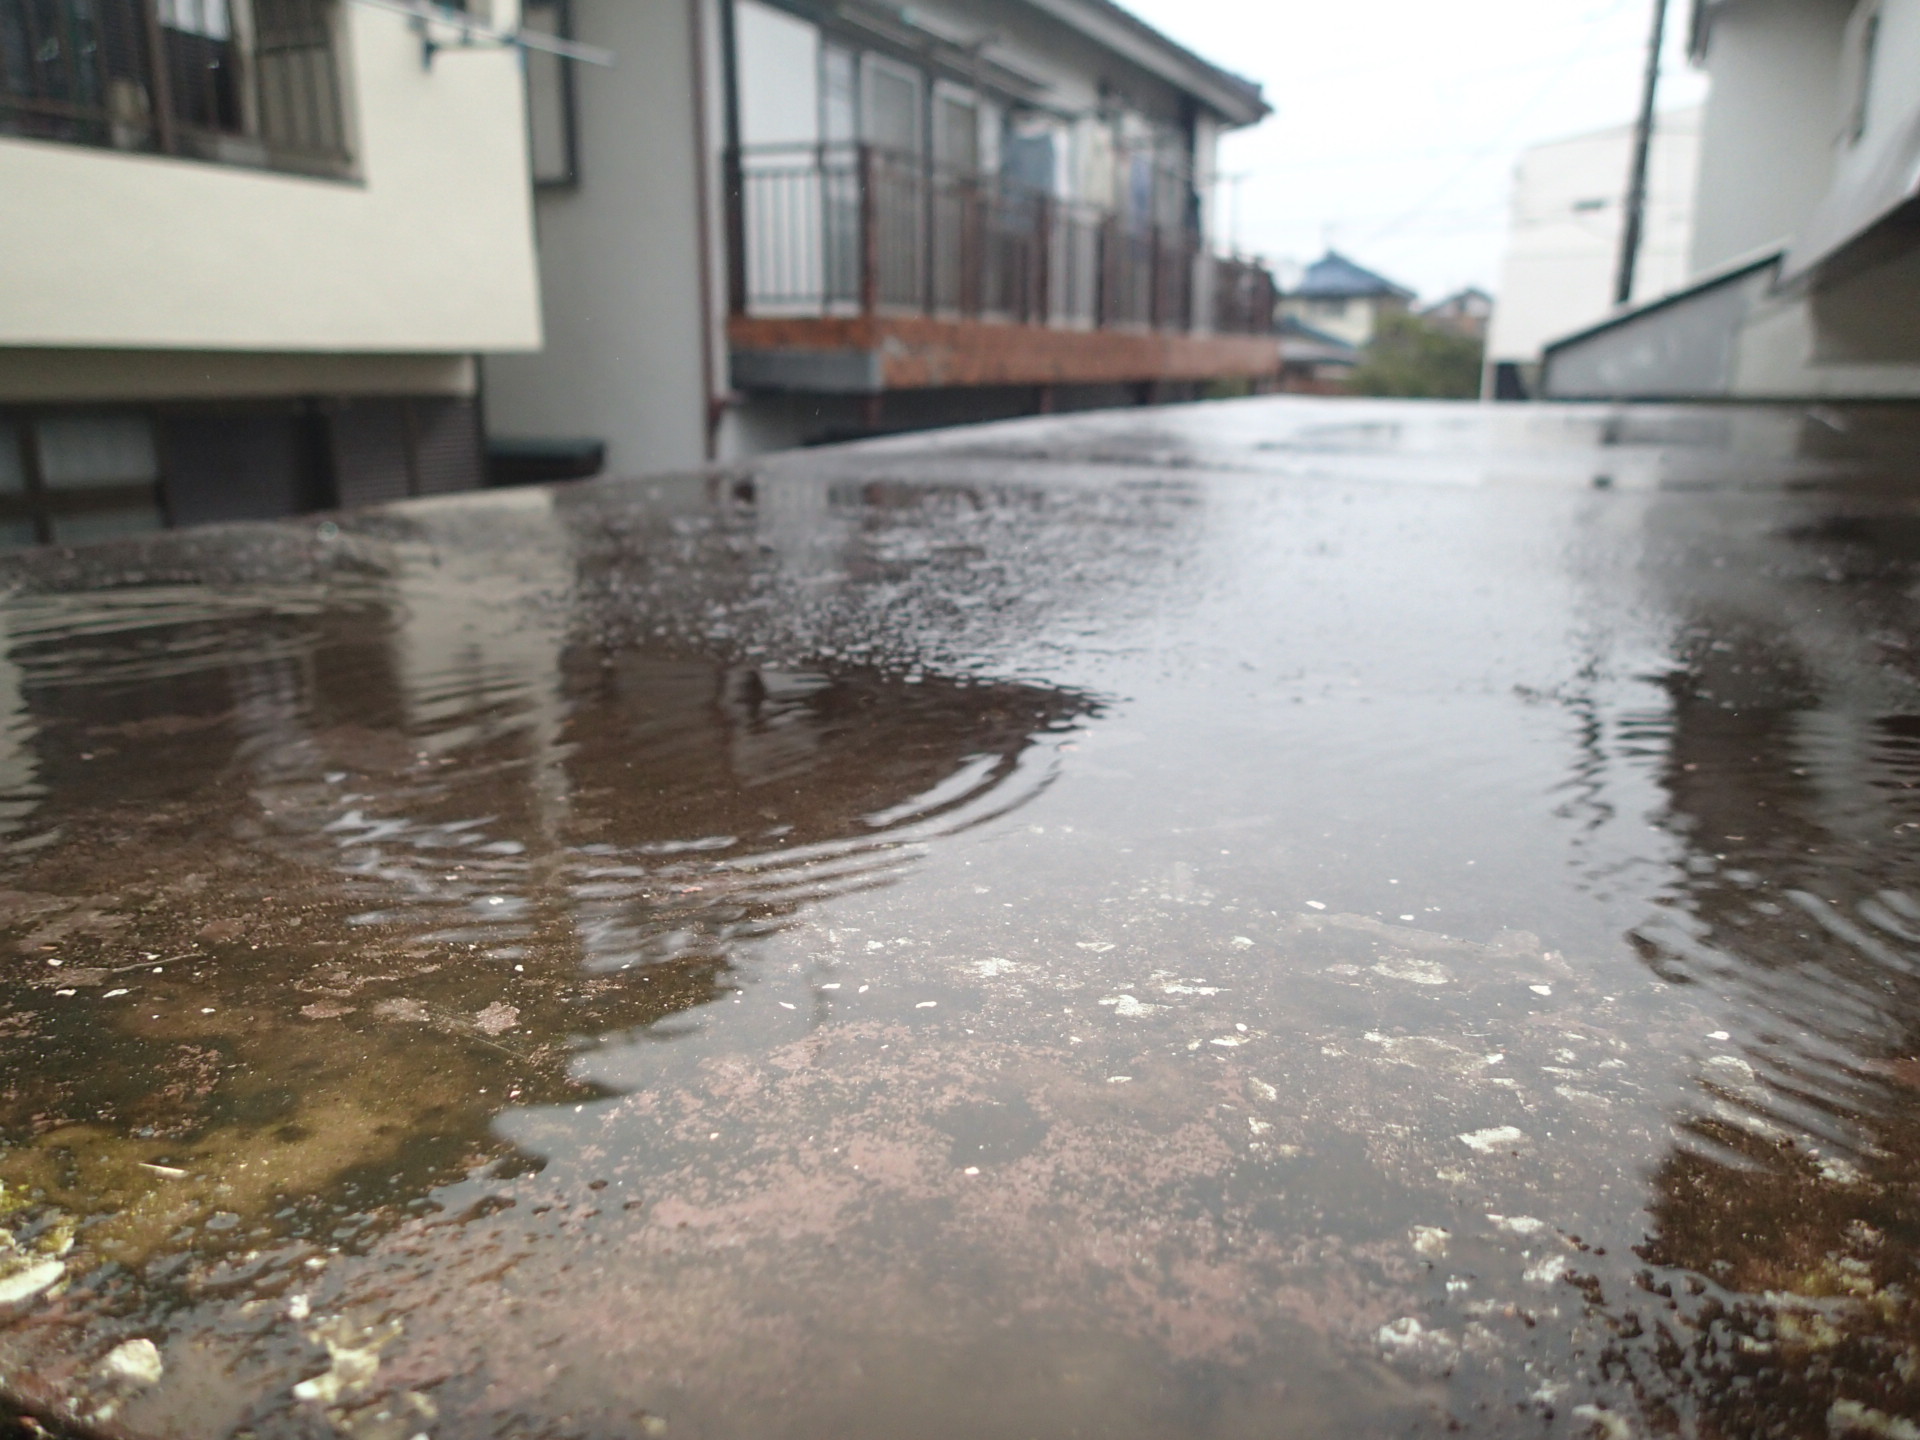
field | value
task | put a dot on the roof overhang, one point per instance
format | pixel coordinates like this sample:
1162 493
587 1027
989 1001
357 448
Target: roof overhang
1235 100
910 34
980 57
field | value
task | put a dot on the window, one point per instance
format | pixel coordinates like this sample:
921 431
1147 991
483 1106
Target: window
777 65
1030 155
76 72
298 86
242 81
553 140
839 180
839 95
956 131
16 524
72 476
893 106
895 98
955 199
202 64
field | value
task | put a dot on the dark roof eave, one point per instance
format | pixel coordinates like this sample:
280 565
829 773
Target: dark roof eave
1385 290
1233 99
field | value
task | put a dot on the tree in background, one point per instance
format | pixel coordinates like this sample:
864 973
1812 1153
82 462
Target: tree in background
1415 358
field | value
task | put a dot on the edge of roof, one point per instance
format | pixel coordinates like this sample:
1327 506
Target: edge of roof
1381 285
1234 99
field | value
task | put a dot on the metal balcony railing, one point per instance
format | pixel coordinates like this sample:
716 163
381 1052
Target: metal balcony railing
1244 297
823 230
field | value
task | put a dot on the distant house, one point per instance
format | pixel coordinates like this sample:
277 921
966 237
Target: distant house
1464 313
855 216
1564 230
249 250
1343 299
1314 362
1803 279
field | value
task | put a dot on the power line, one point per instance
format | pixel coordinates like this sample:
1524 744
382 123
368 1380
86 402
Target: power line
1636 207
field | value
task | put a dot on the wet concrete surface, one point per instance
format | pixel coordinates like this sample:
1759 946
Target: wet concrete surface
1277 918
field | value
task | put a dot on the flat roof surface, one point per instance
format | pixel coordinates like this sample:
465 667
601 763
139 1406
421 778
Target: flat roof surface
1281 916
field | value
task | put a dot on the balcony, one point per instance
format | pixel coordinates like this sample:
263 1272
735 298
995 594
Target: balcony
858 271
246 82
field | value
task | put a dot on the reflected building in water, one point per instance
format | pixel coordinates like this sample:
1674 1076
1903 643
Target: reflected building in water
402 848
1777 1298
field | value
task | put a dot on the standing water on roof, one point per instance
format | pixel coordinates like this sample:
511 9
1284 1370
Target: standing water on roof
1269 919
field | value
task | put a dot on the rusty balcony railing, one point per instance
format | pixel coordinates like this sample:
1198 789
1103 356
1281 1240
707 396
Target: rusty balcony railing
1244 297
822 230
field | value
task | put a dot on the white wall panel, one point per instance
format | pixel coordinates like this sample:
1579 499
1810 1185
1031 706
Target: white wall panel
429 249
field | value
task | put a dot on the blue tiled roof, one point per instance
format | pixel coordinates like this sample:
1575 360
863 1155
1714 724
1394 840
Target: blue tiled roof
1334 277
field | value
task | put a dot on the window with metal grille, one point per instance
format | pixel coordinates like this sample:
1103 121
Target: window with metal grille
241 81
299 86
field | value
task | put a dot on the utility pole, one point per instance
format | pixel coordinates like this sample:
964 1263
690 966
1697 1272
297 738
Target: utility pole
1636 207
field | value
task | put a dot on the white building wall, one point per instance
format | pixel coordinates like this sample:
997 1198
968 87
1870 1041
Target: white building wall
620 260
429 249
1773 123
1853 336
1565 226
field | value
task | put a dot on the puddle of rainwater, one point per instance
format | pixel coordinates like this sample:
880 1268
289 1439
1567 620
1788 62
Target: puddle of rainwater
928 942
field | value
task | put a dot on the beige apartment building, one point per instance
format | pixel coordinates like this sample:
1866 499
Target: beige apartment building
780 221
249 252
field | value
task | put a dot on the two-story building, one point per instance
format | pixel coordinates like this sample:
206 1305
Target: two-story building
1342 298
784 220
1805 245
249 251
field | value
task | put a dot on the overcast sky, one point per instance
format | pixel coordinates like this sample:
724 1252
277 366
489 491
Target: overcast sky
1397 122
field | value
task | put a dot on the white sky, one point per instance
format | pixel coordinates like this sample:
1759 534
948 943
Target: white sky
1397 122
